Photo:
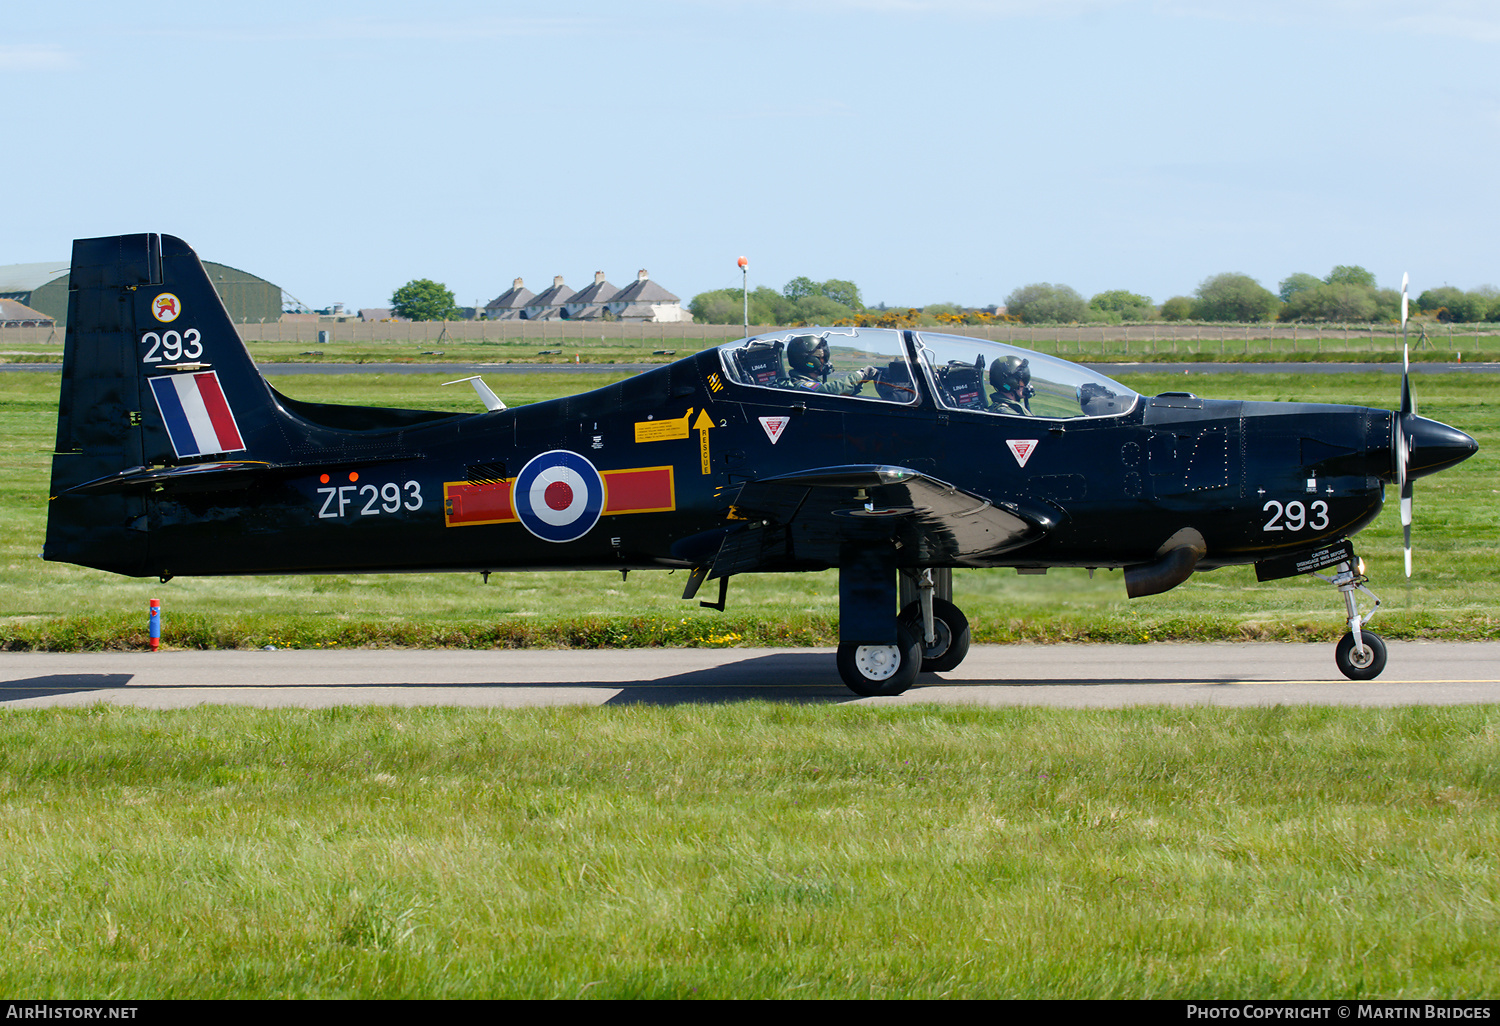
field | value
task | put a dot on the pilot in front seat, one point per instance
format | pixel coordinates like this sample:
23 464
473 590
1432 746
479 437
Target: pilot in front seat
807 356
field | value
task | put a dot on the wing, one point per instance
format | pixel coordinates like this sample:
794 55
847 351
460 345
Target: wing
793 520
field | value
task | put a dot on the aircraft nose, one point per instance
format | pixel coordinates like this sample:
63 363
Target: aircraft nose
1432 446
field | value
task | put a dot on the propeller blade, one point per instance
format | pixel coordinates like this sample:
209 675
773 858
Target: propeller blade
1406 522
1403 447
1402 453
1408 400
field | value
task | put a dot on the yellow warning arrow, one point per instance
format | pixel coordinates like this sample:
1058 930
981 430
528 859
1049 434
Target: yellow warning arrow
702 425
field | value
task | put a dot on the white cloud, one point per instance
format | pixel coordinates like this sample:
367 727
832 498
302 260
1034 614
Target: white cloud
35 57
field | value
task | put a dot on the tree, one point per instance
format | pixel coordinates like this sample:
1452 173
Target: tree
1118 300
1045 303
845 292
1178 308
932 311
1341 302
727 306
819 309
1124 305
423 300
1350 274
799 288
1234 297
721 306
1387 305
1299 282
1467 307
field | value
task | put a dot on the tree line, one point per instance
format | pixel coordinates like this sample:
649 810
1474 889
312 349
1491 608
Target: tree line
1348 293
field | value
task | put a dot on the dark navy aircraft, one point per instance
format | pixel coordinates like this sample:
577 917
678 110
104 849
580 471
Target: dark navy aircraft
894 456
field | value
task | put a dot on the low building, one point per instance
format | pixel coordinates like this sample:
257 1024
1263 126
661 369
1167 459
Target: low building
588 303
44 288
642 301
647 301
15 314
510 305
548 305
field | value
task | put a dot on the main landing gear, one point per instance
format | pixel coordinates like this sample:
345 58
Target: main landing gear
1360 654
931 636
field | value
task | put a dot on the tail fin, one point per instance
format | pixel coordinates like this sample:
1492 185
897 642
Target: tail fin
159 395
154 376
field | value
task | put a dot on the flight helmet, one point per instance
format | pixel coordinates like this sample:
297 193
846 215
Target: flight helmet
808 354
1011 376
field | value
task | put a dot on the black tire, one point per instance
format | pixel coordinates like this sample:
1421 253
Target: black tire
952 629
881 670
1360 669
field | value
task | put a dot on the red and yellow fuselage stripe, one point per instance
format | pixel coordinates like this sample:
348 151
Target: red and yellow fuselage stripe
637 490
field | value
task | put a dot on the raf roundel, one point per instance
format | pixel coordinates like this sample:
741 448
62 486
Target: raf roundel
559 496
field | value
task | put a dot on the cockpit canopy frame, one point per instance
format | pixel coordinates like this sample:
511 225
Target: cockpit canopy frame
961 373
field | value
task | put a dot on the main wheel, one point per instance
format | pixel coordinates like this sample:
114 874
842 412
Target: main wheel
881 670
951 628
1356 666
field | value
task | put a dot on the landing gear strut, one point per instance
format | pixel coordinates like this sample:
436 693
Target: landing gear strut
1360 654
938 623
882 654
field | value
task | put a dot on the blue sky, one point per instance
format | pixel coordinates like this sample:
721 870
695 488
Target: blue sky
943 151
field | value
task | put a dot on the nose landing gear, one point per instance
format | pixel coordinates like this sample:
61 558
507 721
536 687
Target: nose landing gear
1360 654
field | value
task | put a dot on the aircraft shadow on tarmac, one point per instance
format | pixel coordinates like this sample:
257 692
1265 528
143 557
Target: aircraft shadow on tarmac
781 677
59 683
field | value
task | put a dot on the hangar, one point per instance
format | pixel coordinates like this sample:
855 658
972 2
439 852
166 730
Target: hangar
44 288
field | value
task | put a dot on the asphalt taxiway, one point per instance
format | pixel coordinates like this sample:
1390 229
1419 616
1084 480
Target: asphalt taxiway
1065 676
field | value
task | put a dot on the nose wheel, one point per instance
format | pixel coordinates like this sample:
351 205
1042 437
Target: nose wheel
1361 659
1360 654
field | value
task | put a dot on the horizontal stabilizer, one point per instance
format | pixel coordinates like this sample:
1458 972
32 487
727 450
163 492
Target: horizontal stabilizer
137 478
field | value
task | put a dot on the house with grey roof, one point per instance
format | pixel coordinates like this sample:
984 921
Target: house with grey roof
548 303
588 303
511 304
647 301
642 301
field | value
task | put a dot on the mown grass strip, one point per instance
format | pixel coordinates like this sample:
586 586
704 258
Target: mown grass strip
751 850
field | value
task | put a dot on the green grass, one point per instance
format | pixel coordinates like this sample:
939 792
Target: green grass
750 850
1454 594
